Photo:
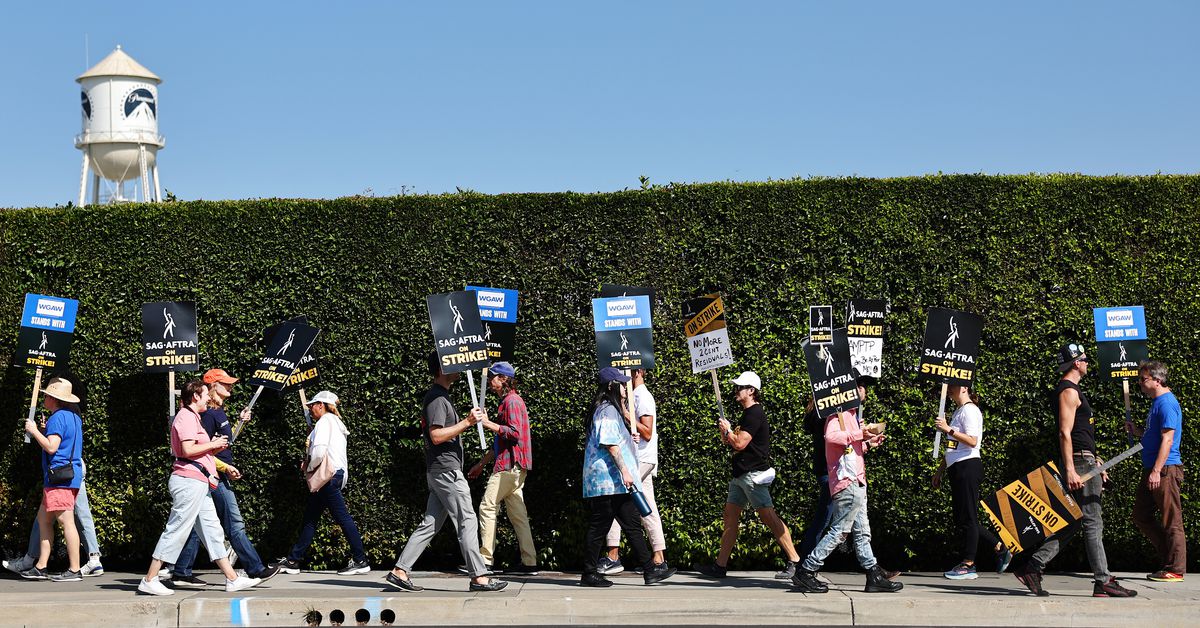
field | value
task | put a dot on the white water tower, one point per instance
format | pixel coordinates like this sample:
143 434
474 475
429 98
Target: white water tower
120 139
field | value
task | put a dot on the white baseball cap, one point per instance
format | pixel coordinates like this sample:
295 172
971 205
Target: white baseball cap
324 397
748 378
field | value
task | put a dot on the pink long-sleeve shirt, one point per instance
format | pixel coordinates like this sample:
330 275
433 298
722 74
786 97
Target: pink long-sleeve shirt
836 441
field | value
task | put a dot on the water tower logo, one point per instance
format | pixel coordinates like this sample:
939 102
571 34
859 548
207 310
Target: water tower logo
87 105
140 103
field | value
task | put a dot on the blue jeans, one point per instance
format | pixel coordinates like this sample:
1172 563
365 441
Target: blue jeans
330 496
83 519
821 515
849 518
235 530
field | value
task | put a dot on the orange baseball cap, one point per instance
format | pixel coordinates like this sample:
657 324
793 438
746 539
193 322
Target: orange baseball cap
211 376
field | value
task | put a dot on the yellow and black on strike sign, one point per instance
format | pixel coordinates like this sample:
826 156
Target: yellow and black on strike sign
457 331
307 375
1032 510
829 371
950 349
170 337
284 352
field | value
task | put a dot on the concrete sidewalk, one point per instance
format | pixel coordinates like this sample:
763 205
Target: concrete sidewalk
555 598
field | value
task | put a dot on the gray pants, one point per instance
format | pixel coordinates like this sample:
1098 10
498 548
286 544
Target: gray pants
449 496
1088 499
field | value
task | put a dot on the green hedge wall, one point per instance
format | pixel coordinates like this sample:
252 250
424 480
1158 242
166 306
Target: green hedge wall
1031 254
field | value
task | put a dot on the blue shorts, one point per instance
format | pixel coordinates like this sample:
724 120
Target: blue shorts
744 492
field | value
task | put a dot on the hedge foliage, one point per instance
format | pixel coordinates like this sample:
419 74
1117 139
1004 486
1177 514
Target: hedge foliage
1031 254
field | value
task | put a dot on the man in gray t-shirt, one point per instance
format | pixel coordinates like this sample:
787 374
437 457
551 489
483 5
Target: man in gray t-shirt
449 494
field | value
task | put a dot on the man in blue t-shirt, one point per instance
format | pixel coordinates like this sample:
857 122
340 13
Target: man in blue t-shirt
1157 509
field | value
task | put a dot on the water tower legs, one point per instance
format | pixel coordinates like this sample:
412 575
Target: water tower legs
83 180
157 187
95 189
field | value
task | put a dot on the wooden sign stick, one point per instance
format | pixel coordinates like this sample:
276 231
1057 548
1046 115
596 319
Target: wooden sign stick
37 386
629 401
237 429
475 404
304 406
170 395
937 440
717 391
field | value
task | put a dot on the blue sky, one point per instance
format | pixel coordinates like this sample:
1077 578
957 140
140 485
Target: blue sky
308 99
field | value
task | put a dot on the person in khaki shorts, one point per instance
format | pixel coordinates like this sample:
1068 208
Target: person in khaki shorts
513 456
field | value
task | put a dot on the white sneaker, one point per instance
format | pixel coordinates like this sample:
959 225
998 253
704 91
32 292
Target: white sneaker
241 584
165 572
154 587
21 564
93 567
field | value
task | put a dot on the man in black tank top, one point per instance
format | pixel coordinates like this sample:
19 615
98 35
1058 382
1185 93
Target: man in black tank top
1077 444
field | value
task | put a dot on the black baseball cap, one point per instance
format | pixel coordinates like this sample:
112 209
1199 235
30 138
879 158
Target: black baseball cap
1068 355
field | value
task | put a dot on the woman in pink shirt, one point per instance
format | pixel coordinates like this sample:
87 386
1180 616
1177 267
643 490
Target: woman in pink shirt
192 480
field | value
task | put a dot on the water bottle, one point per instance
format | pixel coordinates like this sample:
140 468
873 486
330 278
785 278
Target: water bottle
639 500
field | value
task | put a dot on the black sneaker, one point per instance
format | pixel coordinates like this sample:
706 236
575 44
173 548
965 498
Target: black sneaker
658 573
594 580
713 570
789 570
188 582
287 566
1111 589
877 582
404 584
491 585
1032 581
806 581
33 573
267 573
523 570
67 576
355 568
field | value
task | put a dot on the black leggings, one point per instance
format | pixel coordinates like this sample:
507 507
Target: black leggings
602 511
965 477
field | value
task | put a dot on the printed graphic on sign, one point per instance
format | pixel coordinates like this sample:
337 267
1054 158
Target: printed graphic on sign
42 348
53 313
1120 323
833 385
457 331
307 375
609 290
707 336
623 336
950 349
864 331
1030 511
170 339
1120 360
820 324
284 354
498 311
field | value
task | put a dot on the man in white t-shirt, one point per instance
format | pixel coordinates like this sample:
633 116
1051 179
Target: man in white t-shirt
647 454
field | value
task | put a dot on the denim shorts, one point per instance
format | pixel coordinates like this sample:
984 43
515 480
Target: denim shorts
744 492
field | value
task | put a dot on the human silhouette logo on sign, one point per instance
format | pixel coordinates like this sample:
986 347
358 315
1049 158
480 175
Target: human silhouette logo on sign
42 346
624 341
1122 347
952 338
824 354
168 325
287 345
458 319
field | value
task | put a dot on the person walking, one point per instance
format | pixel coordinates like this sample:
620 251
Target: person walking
846 440
449 493
609 482
62 477
193 478
216 422
963 466
1077 445
326 451
752 475
512 453
646 440
1157 509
